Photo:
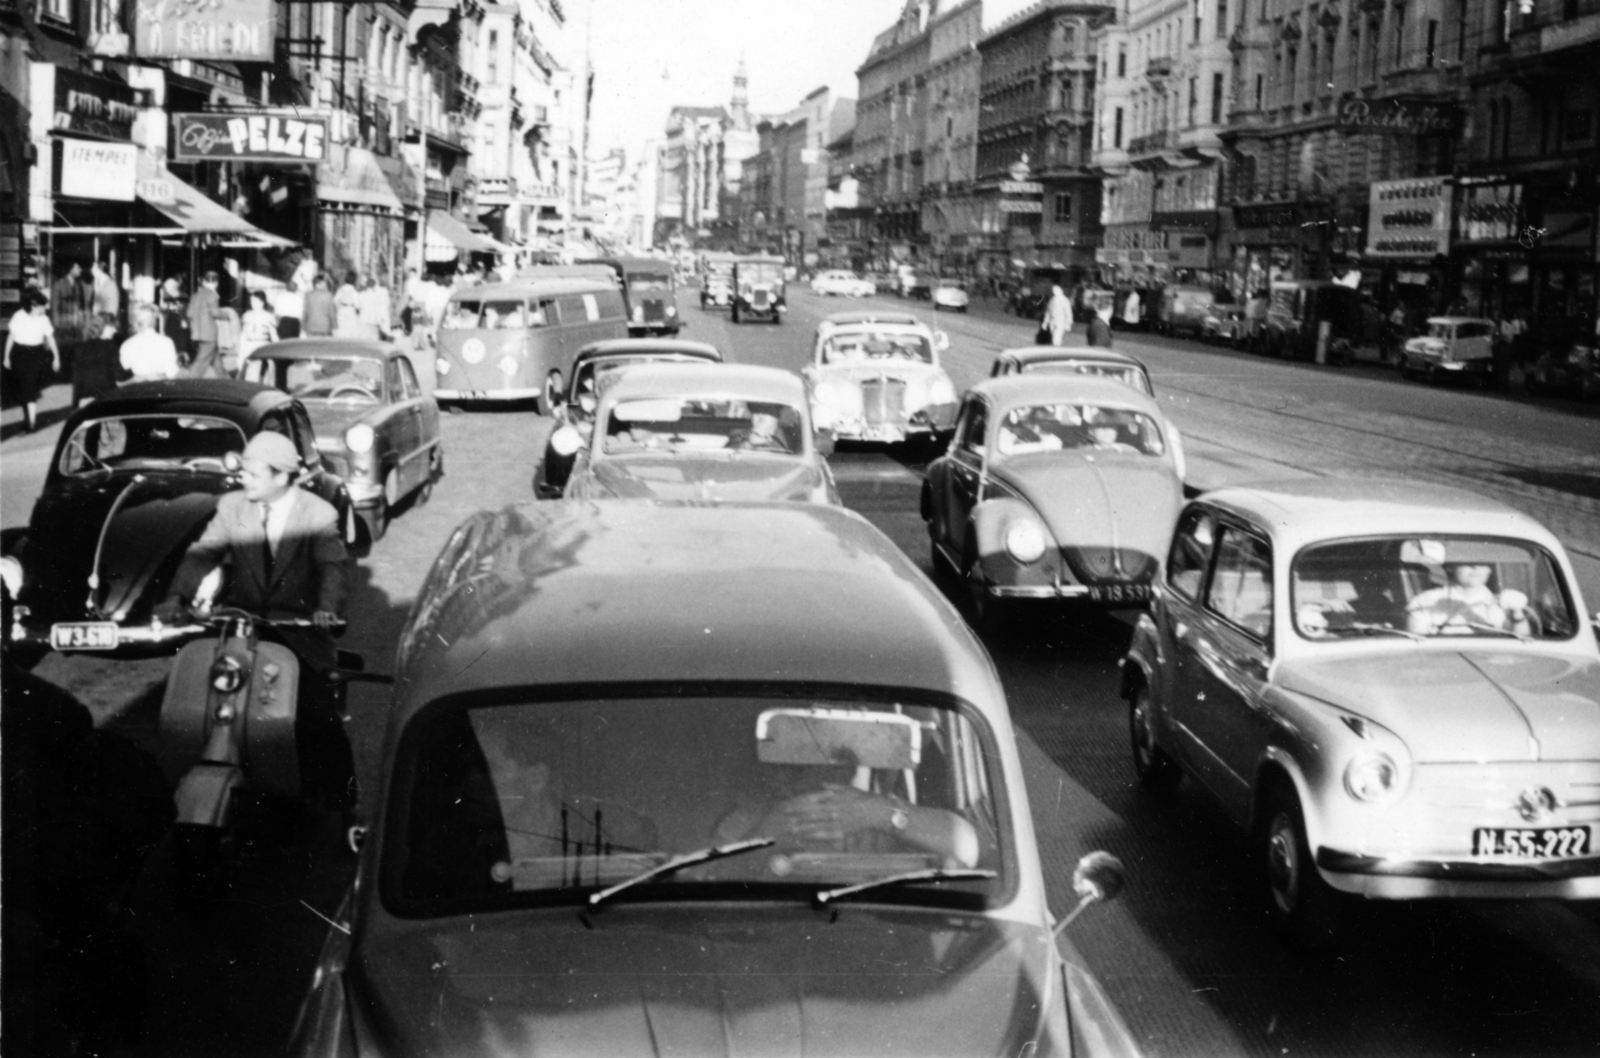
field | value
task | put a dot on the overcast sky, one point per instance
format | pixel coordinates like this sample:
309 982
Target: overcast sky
652 55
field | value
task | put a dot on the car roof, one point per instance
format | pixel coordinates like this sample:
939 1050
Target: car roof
1307 510
303 348
526 285
744 381
870 316
1040 354
1459 319
575 592
642 346
243 402
1011 390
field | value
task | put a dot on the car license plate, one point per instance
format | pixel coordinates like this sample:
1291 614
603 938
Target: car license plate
1119 593
1531 842
84 635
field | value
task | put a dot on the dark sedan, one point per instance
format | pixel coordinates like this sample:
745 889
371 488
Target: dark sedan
375 427
134 481
1073 360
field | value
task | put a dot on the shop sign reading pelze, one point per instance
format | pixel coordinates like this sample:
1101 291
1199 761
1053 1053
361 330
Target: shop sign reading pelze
250 137
1400 117
232 30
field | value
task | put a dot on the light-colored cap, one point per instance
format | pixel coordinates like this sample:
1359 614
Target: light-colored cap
273 449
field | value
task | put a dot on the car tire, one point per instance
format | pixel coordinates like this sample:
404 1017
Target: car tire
1157 772
551 394
1301 906
989 614
377 519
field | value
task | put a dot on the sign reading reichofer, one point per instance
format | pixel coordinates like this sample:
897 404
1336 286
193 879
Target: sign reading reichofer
254 137
233 30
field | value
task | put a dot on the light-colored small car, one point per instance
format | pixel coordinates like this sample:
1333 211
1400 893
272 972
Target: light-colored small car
950 294
1226 324
616 730
843 283
876 377
376 429
1455 346
703 432
1073 360
1055 486
1389 685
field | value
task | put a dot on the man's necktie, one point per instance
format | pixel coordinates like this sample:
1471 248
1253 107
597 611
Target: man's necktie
266 540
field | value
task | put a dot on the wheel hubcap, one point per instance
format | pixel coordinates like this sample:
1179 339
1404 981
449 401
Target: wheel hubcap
1283 868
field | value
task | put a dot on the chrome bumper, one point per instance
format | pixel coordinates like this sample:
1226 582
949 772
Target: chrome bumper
1382 878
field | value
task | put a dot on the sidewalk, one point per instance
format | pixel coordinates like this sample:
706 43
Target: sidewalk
55 404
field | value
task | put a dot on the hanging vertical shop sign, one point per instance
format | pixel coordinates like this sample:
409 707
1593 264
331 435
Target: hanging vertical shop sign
1409 218
231 30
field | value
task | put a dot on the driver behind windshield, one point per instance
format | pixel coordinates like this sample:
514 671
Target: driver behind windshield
1466 602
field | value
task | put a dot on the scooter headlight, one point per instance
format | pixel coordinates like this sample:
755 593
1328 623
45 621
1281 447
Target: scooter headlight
227 675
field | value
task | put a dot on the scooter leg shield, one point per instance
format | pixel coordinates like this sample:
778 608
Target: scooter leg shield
205 794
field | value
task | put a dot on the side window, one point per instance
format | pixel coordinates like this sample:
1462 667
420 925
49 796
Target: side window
972 437
545 315
572 310
391 374
1191 552
408 380
591 308
1241 587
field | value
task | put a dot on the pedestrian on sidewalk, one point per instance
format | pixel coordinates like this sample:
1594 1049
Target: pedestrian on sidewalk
97 365
107 299
375 310
1100 328
31 352
288 305
258 326
348 301
205 308
320 313
148 355
69 306
1058 316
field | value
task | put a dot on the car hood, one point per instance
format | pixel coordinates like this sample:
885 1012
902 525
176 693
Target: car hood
1466 706
156 521
745 477
330 420
913 372
652 981
1101 507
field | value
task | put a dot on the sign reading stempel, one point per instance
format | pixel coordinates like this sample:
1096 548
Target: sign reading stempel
253 137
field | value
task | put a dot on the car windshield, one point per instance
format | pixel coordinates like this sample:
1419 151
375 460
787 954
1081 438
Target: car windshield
641 281
760 273
348 379
1126 374
142 441
1430 586
857 346
550 801
1079 427
461 315
689 423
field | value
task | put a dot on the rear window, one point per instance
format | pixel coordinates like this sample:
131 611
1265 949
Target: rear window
150 441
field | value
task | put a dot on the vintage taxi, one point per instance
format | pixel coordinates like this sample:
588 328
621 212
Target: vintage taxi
677 779
375 427
593 370
1454 347
706 432
1055 487
716 280
1073 360
759 289
1390 685
876 377
133 481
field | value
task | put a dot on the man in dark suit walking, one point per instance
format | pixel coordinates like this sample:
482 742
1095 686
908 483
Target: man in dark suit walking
288 561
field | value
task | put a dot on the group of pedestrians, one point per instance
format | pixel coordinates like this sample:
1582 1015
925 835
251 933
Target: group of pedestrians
1058 322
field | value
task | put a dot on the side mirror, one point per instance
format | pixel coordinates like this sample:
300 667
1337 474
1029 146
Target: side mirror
1098 877
825 444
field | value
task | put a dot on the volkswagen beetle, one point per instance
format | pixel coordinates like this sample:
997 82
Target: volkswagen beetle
134 479
876 377
1055 486
375 427
709 432
675 779
1388 684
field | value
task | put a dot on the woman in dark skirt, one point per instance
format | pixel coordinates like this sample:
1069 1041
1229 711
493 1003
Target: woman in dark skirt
31 354
97 367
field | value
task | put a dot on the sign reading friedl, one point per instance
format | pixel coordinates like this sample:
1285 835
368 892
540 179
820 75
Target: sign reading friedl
254 137
233 30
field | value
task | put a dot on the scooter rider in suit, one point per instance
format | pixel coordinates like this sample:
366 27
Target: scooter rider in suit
288 562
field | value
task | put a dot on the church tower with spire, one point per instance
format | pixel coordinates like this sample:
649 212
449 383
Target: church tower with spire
739 107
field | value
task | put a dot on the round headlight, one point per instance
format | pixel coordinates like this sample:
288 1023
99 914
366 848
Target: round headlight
942 391
359 438
672 310
1025 541
227 675
1372 776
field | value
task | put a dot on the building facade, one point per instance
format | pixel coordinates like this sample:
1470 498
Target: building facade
891 131
950 213
700 170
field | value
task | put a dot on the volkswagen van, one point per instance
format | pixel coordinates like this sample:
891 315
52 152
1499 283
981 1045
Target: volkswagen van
517 341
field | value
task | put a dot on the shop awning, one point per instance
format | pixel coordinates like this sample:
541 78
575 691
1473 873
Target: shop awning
194 212
447 237
360 181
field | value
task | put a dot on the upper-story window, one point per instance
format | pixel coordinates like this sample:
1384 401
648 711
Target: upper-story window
1222 18
1399 36
494 57
61 10
1122 60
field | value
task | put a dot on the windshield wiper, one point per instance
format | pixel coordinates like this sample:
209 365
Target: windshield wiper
931 874
678 863
1382 630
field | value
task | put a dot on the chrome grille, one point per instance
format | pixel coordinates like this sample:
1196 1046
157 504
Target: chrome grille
759 299
654 310
883 400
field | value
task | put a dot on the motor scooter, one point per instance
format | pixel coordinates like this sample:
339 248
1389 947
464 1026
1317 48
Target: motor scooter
230 706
